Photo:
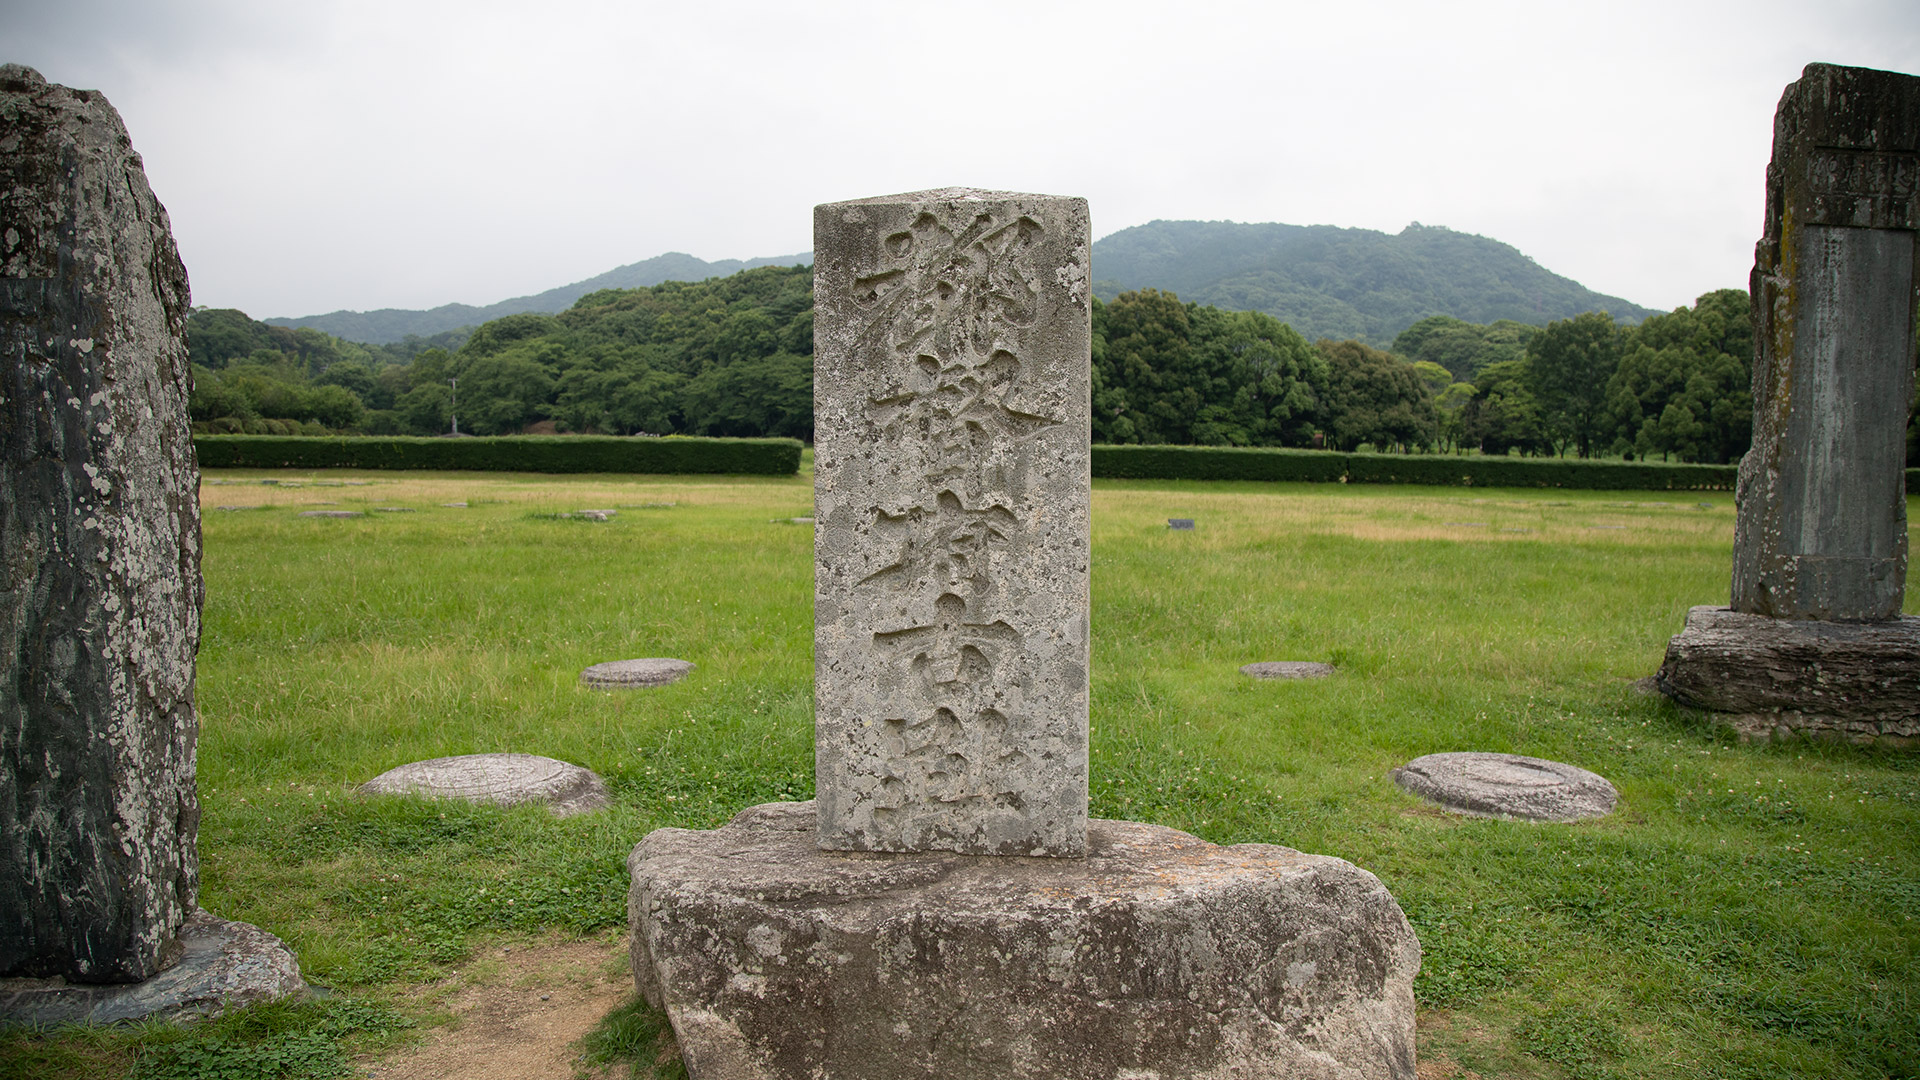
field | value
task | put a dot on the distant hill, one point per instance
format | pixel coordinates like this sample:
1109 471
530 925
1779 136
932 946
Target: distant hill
394 324
1323 280
1330 282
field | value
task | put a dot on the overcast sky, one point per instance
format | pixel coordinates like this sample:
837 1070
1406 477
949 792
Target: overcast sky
359 154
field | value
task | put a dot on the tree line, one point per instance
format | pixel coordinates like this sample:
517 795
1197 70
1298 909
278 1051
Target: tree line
1676 386
727 356
734 356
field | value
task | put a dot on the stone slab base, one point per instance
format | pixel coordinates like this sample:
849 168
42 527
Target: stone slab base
500 779
1287 669
633 674
1508 786
1158 956
1799 678
223 965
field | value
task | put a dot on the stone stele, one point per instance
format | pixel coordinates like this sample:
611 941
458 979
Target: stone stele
1821 536
904 924
99 551
1822 509
1508 786
1157 955
500 779
952 488
632 674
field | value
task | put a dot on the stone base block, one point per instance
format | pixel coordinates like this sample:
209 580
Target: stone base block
1158 956
1799 678
223 965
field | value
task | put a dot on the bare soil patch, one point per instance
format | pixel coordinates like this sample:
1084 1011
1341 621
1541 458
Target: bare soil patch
517 1011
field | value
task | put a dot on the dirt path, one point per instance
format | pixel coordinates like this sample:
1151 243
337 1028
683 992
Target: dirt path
516 1013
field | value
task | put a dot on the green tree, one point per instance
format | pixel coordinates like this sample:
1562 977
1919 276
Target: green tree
760 395
1451 404
1503 415
1683 387
1568 367
1463 348
1142 364
1436 377
426 409
501 393
1375 397
1168 372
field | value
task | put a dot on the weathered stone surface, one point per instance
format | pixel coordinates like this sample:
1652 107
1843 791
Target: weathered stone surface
1821 530
952 490
500 779
1508 786
332 513
631 674
1779 677
99 550
1156 955
223 965
1287 669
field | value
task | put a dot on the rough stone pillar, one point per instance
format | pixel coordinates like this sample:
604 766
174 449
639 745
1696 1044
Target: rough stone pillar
99 550
952 418
1822 530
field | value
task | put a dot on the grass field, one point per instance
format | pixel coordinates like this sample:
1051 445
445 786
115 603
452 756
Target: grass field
1748 911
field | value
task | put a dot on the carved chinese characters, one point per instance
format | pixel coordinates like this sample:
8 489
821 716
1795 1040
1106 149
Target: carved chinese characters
1822 529
951 410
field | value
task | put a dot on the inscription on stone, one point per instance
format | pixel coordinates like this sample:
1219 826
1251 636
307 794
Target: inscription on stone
1863 189
1822 530
952 382
1180 524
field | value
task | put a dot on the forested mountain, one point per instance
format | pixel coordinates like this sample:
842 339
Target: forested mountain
1322 280
395 324
1330 282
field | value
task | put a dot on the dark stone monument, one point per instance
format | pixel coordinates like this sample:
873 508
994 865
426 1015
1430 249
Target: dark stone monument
100 540
1821 538
1822 530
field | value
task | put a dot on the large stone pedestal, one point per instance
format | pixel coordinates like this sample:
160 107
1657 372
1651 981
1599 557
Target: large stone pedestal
1780 678
222 965
1156 956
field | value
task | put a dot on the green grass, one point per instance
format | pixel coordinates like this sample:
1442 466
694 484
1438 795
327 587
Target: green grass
1748 911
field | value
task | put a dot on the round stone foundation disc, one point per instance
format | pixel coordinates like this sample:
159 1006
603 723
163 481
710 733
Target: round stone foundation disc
1288 669
627 674
1508 786
501 779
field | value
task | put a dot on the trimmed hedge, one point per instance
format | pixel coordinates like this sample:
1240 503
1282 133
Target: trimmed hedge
508 453
1323 466
1216 463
